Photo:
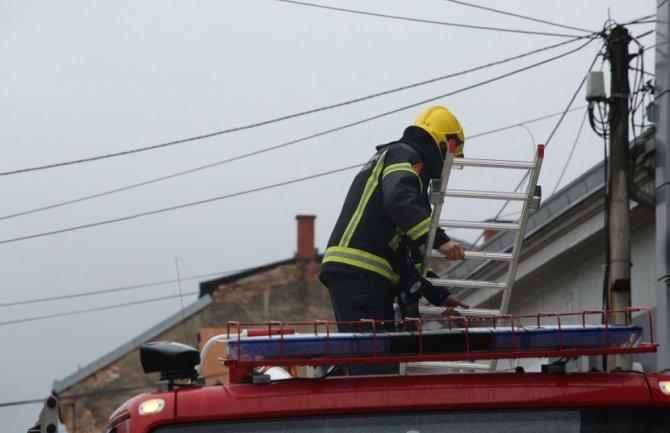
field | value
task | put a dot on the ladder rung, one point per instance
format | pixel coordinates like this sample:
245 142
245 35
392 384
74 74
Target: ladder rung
486 194
483 225
465 312
494 163
470 284
462 365
486 255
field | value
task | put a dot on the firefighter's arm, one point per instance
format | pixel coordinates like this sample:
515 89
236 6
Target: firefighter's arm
405 200
406 203
451 301
444 298
440 296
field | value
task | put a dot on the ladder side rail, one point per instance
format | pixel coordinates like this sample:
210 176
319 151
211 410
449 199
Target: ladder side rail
437 206
518 239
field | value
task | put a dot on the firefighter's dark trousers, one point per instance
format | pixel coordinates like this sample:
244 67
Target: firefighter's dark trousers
356 298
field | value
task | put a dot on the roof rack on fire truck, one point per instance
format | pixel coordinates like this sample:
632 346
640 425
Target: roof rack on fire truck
252 346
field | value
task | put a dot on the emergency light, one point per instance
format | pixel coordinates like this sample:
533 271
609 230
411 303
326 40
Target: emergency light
543 335
349 345
280 344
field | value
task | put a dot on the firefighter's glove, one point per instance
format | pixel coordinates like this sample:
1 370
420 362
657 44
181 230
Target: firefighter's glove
409 296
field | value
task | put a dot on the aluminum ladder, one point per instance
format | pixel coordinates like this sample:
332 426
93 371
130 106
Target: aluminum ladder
530 199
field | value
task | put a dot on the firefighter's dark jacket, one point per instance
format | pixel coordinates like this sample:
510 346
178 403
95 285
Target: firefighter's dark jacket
387 200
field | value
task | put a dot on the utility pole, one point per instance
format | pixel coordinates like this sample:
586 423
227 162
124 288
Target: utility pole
619 215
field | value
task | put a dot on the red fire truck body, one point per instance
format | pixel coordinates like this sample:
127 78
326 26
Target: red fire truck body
484 402
475 393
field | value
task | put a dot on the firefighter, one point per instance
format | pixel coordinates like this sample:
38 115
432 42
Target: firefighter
386 204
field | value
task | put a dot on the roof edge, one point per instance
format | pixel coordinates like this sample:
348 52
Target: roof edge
62 385
210 286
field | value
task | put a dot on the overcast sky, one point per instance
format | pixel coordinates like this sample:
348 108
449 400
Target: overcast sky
87 78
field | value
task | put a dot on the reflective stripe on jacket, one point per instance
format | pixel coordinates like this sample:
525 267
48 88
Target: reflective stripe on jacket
388 199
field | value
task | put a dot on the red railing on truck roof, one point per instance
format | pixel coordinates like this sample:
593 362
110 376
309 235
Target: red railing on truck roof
585 333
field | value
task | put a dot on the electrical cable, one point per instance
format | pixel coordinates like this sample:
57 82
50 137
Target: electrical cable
525 17
285 117
533 142
536 119
146 387
119 289
21 402
181 206
443 23
215 164
572 151
90 310
644 22
639 20
644 34
546 144
606 228
157 283
143 214
223 273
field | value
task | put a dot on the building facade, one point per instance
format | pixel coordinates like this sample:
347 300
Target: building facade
288 290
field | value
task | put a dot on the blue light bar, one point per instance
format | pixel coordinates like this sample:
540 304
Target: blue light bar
500 339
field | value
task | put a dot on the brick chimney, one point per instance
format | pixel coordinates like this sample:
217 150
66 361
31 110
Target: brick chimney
489 233
306 248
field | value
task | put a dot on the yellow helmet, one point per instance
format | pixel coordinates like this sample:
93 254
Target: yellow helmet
442 126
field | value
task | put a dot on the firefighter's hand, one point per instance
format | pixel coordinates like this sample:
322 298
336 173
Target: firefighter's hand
452 250
451 303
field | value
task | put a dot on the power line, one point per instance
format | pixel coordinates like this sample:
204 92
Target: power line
304 178
644 22
639 20
418 20
226 131
271 121
286 144
96 392
525 122
21 402
551 135
572 151
91 310
181 206
525 17
572 100
117 289
222 273
214 164
645 34
516 71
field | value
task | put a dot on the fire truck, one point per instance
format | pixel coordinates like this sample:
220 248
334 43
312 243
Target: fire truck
287 377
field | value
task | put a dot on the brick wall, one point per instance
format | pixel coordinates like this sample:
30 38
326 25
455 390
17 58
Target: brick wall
290 293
